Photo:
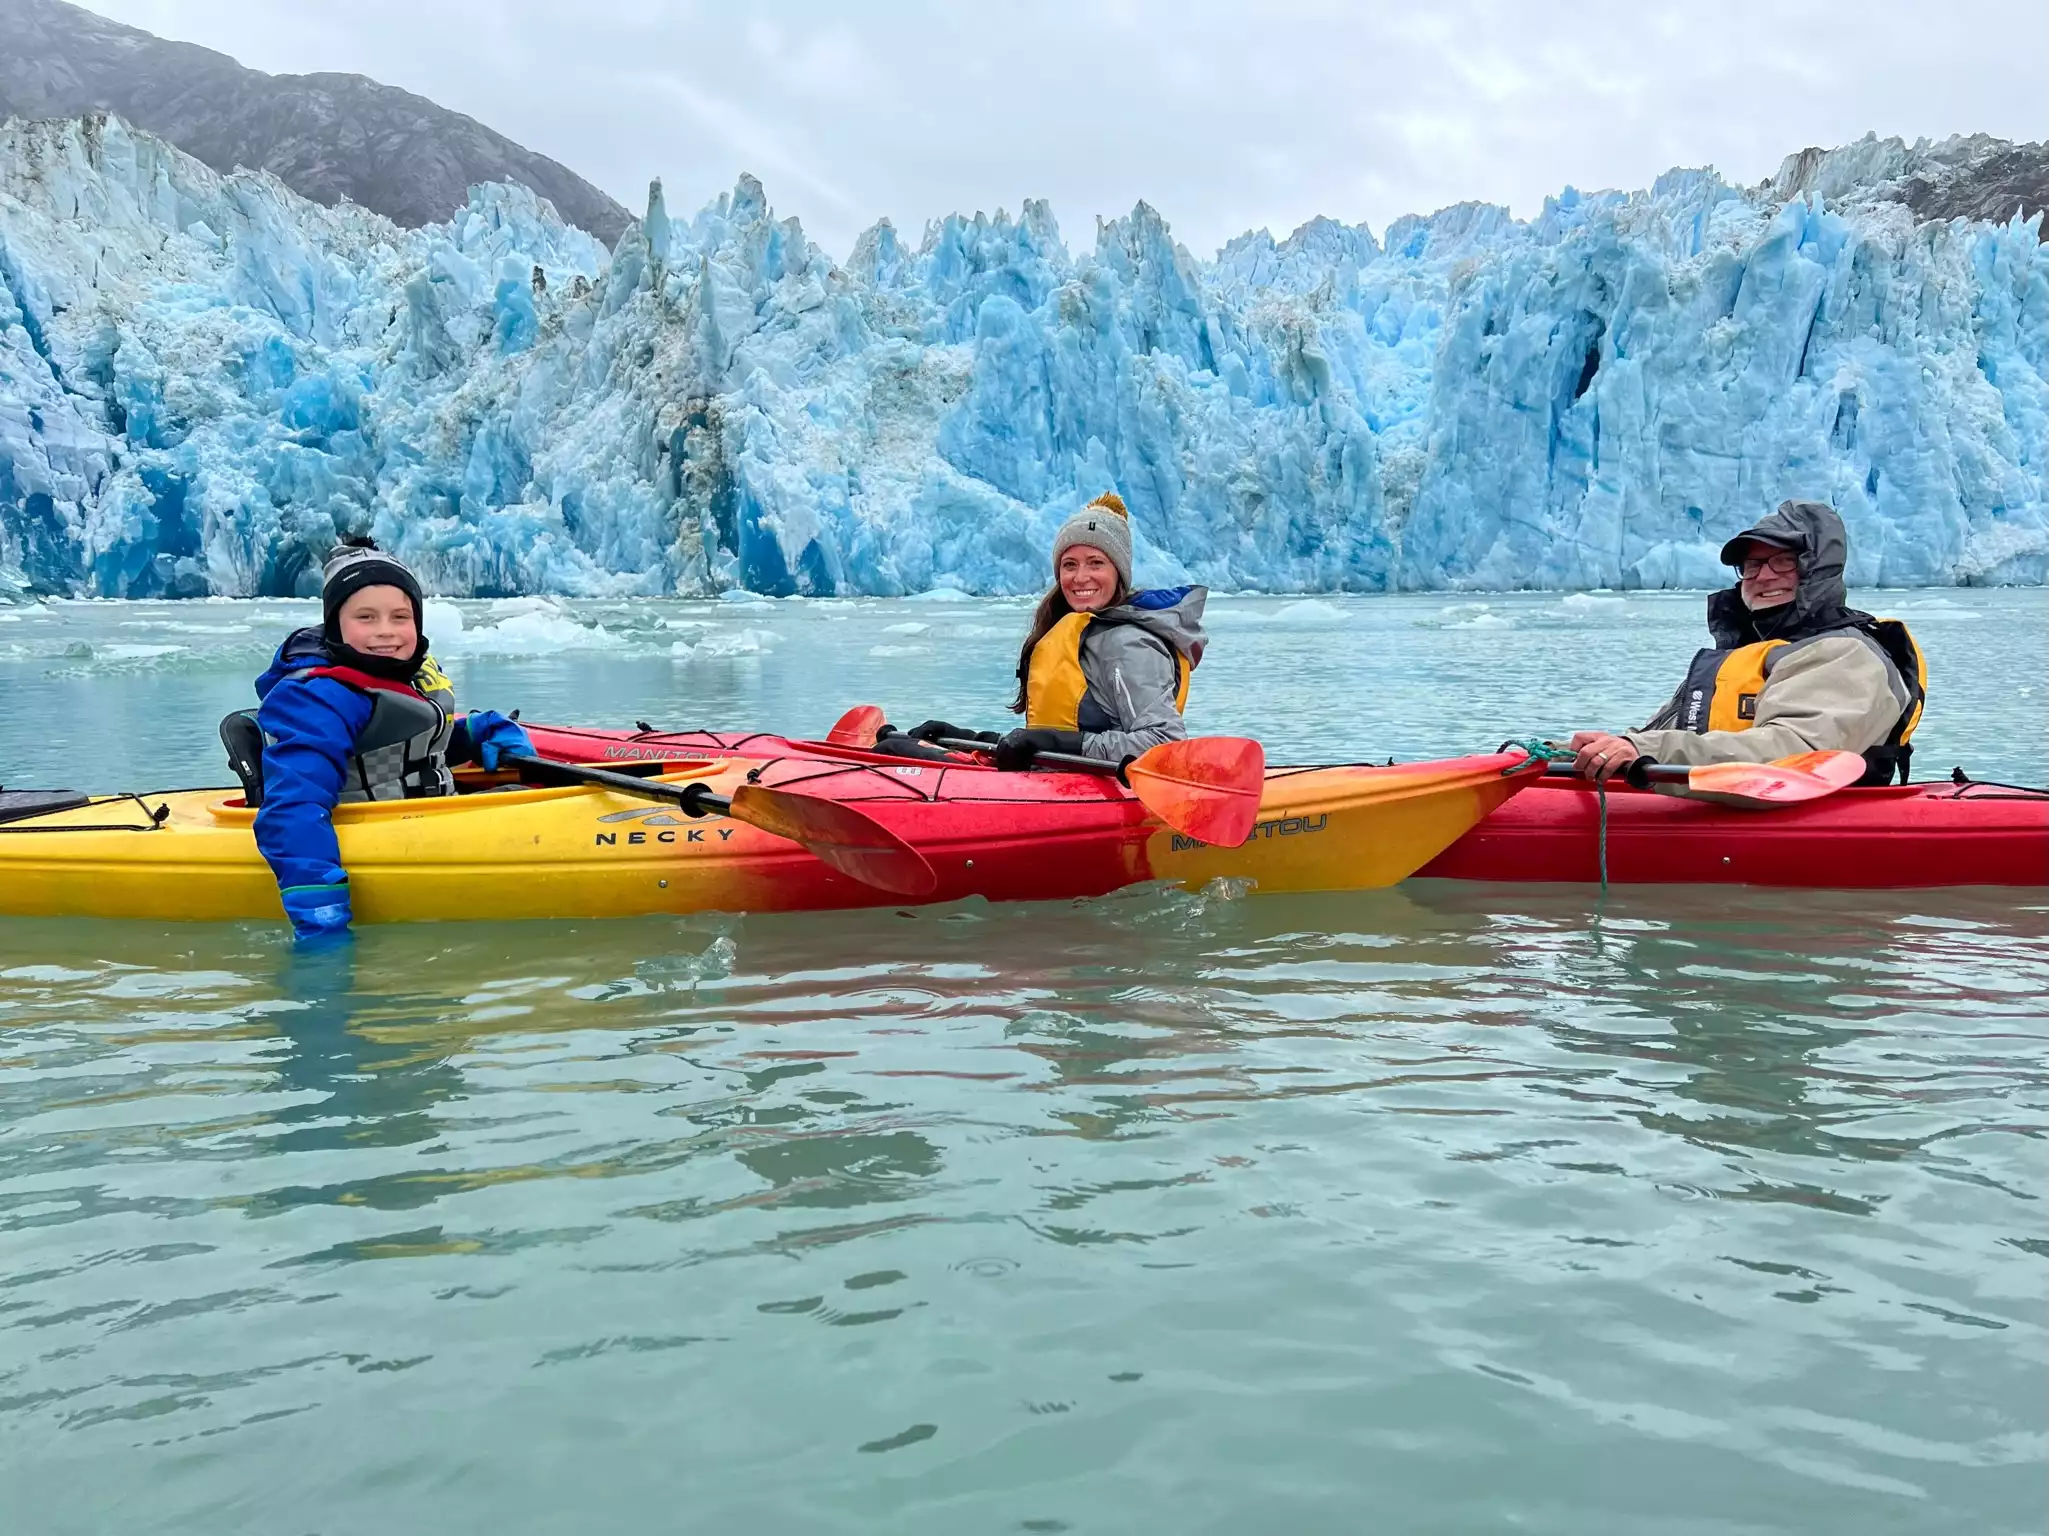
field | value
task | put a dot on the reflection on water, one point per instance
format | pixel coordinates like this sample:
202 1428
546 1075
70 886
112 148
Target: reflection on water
1491 1208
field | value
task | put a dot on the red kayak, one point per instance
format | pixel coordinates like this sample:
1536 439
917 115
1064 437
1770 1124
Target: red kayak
1051 835
1902 835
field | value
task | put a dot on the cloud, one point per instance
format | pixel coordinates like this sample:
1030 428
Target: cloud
1221 115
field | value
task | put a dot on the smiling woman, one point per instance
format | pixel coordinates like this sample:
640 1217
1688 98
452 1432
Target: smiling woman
1104 670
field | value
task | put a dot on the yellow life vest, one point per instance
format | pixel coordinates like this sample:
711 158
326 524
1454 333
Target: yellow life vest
1722 687
1055 683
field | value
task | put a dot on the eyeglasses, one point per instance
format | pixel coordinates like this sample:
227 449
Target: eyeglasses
1785 563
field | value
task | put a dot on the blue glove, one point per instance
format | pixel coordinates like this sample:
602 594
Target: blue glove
494 737
319 913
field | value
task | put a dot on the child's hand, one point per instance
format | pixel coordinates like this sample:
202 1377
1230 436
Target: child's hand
319 913
496 738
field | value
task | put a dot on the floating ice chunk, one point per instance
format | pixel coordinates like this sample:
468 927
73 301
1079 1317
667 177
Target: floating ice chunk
1309 610
177 628
136 652
517 607
444 622
541 630
726 643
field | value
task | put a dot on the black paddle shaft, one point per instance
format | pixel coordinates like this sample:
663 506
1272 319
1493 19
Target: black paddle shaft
1066 760
1637 773
697 799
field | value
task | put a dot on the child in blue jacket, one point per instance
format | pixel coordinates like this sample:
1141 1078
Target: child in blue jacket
356 710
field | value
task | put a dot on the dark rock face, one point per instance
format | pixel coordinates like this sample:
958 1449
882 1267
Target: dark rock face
2016 177
1963 177
326 136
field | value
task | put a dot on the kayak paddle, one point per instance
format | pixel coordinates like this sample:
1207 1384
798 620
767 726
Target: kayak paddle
858 727
1748 786
853 843
1204 787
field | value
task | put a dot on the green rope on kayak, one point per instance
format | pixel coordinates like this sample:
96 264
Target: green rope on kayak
1536 751
1601 799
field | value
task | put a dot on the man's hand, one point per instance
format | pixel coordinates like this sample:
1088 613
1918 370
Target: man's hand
1600 754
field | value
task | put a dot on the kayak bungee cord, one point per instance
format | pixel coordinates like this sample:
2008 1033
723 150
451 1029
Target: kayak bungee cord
1964 782
155 818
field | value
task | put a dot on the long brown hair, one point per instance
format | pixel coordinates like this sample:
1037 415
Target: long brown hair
1053 607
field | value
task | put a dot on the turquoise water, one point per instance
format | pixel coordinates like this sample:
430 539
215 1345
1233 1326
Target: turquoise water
1448 1208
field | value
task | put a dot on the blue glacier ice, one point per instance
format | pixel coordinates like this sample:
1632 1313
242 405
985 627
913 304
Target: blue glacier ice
204 379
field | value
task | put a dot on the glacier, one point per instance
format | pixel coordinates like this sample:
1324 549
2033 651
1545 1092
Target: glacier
205 379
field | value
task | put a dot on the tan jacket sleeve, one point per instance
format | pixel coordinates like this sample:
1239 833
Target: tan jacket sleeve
1834 694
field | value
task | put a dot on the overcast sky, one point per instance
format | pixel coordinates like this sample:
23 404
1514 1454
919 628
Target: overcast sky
1224 116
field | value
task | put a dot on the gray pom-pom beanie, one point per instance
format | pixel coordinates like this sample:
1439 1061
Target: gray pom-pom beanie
1102 524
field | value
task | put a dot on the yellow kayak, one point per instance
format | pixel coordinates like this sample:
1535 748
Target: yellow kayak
601 852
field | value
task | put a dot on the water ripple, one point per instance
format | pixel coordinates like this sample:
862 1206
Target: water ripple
1673 1215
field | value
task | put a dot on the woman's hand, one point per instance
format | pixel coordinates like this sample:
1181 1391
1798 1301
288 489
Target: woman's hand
932 732
1020 749
1600 754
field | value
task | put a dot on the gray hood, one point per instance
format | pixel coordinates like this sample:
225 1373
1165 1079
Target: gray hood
1172 614
1821 602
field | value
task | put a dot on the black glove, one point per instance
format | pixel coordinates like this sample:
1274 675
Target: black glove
937 730
1017 751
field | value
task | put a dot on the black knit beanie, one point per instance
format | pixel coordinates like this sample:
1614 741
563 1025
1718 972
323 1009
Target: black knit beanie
357 563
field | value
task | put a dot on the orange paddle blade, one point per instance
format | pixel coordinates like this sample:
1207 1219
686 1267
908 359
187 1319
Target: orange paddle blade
1841 769
858 727
1761 786
1206 787
851 842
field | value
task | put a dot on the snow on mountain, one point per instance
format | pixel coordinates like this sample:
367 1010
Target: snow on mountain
204 379
328 136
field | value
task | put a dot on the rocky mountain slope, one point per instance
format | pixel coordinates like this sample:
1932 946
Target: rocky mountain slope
326 136
1969 176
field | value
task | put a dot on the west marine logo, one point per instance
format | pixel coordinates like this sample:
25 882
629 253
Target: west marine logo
1285 826
664 825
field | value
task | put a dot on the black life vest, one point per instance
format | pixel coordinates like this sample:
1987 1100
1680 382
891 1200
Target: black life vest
1722 686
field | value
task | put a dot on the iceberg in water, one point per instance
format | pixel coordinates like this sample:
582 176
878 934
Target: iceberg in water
205 379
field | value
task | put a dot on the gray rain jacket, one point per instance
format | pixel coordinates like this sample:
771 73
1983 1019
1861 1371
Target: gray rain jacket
1127 655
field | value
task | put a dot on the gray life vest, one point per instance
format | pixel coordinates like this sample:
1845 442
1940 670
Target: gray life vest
402 751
